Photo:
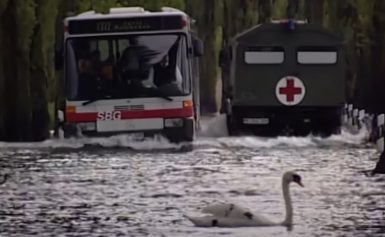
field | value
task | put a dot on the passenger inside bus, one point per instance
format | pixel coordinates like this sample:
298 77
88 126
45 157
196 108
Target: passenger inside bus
168 78
127 66
134 67
88 75
96 77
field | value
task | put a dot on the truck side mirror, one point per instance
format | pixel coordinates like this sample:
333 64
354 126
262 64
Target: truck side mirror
198 47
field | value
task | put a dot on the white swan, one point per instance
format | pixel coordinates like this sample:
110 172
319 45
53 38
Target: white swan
230 215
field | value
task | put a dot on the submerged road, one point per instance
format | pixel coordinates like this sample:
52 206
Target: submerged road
117 187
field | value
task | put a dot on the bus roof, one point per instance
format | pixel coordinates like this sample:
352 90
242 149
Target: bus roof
126 12
127 20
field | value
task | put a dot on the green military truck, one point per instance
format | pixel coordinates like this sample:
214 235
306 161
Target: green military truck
283 77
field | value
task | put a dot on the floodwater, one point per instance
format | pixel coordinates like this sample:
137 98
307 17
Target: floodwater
118 187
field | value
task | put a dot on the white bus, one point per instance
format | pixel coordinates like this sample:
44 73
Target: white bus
130 71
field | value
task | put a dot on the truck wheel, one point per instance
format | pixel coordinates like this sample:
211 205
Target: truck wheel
328 127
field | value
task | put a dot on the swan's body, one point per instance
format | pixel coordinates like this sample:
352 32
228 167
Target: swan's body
230 215
233 211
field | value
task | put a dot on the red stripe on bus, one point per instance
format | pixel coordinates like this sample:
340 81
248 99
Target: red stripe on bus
161 113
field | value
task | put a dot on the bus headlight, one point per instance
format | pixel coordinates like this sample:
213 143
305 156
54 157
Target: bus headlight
87 126
173 122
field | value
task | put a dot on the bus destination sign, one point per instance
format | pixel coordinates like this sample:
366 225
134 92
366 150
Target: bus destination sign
117 25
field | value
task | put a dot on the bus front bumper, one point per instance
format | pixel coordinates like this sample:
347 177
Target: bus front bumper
174 129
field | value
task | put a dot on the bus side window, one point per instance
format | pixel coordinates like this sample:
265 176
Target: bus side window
181 70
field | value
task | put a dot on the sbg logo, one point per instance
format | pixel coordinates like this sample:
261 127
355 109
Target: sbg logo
111 115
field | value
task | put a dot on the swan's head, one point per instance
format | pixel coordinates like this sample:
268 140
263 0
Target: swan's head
291 176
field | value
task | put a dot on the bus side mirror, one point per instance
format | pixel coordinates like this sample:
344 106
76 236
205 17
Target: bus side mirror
198 47
58 58
224 57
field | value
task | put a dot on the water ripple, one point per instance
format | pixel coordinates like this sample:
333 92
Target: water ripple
142 192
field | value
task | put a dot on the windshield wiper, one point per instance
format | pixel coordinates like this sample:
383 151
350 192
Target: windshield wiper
160 94
94 100
90 101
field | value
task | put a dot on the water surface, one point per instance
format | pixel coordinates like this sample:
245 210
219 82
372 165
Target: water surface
118 187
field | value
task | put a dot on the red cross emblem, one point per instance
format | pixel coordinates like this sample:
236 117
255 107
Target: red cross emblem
290 90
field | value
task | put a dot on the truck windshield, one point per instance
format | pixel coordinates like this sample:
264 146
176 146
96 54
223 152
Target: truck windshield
129 66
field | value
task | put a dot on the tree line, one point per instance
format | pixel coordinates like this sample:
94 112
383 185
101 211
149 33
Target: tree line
29 85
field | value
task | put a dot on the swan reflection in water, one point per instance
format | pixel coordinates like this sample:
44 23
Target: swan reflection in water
231 215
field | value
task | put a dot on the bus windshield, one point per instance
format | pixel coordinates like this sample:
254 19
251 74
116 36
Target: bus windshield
127 66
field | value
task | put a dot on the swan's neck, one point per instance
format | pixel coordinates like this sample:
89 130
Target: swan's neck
289 208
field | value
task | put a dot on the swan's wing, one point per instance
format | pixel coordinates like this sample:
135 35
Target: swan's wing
215 221
228 210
